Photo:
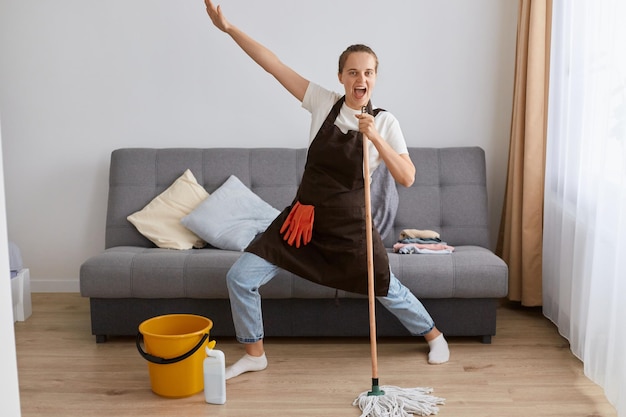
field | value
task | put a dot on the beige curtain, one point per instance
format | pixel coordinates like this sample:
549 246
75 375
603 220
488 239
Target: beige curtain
521 228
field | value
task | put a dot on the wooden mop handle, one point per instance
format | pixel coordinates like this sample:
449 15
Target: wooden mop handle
370 255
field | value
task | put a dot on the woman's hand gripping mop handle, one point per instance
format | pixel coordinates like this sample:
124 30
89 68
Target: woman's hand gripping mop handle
370 266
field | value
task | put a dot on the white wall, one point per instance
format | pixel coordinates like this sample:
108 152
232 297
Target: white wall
80 78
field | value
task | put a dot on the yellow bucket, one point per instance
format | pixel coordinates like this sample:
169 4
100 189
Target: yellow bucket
175 351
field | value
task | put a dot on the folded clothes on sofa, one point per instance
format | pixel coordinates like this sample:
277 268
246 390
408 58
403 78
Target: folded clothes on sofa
411 248
416 233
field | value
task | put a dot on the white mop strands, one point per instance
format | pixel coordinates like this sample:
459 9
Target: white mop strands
398 402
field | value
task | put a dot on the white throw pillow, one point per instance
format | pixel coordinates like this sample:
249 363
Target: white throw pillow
231 216
159 221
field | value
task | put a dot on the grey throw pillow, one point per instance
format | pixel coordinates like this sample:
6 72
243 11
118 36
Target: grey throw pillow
231 216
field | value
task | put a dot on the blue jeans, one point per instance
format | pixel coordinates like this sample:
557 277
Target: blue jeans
250 272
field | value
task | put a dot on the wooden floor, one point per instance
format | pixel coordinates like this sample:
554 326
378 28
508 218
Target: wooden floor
528 370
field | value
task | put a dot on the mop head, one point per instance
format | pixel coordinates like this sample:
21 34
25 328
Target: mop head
399 402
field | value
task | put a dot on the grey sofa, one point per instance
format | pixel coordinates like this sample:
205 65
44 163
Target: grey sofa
132 280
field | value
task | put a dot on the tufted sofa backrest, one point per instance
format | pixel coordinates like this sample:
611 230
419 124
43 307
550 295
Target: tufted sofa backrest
449 194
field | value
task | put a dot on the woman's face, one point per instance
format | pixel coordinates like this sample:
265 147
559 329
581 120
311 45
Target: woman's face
358 78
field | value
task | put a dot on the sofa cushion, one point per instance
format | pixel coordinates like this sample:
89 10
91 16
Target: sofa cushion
159 220
468 272
134 272
231 216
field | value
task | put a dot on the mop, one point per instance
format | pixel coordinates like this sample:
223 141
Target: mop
388 400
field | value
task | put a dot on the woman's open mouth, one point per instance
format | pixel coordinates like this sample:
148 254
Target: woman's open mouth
359 92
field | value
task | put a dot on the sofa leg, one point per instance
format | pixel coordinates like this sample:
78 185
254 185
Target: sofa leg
486 339
101 338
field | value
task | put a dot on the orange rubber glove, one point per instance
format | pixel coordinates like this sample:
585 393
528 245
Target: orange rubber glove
298 226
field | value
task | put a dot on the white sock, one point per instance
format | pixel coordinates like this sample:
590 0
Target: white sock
246 364
439 352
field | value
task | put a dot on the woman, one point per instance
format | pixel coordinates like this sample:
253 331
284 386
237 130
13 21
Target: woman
320 237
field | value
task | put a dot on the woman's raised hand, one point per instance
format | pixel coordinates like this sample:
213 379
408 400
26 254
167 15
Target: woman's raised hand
216 15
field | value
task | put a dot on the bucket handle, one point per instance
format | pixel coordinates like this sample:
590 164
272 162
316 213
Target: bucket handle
162 361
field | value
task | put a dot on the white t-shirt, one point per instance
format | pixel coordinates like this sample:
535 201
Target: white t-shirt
320 101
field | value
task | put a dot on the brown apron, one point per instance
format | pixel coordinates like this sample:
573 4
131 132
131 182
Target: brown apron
333 183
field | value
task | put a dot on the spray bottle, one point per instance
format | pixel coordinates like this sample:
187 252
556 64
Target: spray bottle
214 376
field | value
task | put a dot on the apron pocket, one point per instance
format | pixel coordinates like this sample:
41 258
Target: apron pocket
343 227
